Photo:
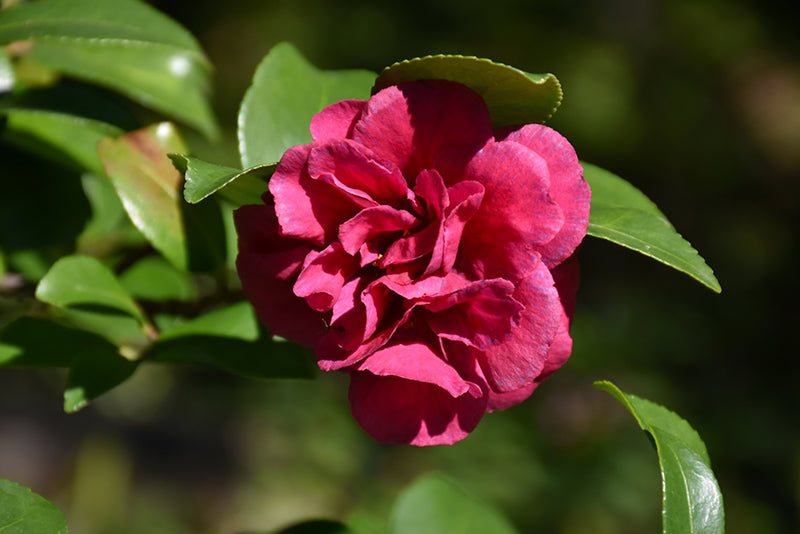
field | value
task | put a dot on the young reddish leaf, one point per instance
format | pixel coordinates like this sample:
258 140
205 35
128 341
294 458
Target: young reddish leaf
149 185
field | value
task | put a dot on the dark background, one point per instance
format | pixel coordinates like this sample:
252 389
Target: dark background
697 103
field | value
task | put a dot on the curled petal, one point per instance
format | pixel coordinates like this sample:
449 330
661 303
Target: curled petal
323 276
371 224
355 170
336 120
567 187
516 215
306 208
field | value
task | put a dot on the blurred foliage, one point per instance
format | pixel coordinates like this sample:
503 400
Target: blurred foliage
697 103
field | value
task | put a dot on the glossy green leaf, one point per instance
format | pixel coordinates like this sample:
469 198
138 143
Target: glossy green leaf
149 186
236 186
286 93
66 138
109 228
84 281
231 339
7 77
125 45
512 96
121 19
692 501
622 214
436 506
153 278
24 512
93 373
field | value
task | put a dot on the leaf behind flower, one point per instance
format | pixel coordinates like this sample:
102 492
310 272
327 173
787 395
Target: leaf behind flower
512 96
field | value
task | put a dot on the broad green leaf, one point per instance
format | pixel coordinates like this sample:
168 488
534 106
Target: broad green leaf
63 137
109 229
93 373
234 185
125 45
236 321
512 96
692 501
121 19
84 281
153 278
620 213
231 339
286 93
436 506
24 512
149 186
7 77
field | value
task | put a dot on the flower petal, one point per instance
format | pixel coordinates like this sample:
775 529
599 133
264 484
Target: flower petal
567 187
306 208
267 265
521 357
336 120
323 276
516 215
412 122
373 224
354 169
396 410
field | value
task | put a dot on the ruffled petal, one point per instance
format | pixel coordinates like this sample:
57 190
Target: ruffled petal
337 120
516 216
411 123
520 358
306 208
373 224
567 187
323 276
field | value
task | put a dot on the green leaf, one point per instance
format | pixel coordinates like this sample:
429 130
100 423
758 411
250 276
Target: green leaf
316 526
37 342
620 213
286 93
109 228
65 138
436 506
93 373
512 96
24 512
692 501
7 77
84 281
153 278
125 45
231 339
236 186
149 186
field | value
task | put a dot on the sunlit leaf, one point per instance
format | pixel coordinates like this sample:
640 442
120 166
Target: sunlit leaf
236 321
109 228
84 281
24 512
621 214
7 76
149 186
153 278
434 505
286 93
125 45
234 185
66 138
692 500
512 96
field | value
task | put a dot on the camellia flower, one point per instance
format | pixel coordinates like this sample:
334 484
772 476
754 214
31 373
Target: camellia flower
425 254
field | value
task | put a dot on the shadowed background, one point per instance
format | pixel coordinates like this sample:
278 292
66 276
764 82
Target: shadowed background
695 103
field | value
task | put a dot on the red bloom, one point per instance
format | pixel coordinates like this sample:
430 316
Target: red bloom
423 253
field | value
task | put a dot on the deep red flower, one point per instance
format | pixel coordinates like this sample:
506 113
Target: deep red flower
422 252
